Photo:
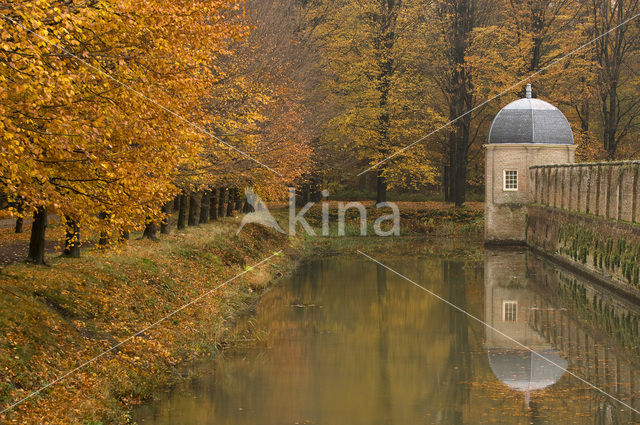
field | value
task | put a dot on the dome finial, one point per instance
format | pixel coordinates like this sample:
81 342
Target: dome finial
528 91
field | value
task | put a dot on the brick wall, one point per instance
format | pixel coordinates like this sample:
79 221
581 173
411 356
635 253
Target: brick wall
606 249
505 210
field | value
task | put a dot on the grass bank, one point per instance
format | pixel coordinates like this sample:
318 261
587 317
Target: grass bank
55 318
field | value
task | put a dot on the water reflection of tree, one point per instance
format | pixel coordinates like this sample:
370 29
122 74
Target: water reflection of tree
383 347
458 371
606 414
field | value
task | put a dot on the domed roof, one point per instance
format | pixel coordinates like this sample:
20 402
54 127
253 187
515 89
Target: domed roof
524 371
530 121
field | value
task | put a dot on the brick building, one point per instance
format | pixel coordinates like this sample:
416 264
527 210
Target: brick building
525 133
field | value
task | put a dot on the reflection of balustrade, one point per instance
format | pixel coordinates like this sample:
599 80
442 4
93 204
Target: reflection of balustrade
610 370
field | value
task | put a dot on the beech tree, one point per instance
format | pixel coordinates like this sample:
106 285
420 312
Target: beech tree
369 52
85 119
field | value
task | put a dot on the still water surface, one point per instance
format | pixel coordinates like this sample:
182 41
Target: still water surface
344 341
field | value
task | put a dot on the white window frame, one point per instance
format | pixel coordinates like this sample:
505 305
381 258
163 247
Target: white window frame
504 181
504 310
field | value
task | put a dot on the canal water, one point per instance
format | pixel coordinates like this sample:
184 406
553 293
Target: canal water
344 341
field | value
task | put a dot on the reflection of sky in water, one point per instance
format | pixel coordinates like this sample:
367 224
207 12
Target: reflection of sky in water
349 343
524 371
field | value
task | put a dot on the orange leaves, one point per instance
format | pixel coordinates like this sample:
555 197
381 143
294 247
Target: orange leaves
92 101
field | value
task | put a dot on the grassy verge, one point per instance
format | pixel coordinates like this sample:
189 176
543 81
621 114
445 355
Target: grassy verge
55 318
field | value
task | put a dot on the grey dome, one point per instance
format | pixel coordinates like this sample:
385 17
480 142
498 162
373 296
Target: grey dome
531 121
524 371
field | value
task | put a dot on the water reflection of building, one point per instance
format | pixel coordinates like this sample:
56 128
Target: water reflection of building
600 360
547 308
509 308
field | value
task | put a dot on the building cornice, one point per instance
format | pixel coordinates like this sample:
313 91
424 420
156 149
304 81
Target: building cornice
529 146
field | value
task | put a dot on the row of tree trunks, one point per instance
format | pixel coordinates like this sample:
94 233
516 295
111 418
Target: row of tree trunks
193 209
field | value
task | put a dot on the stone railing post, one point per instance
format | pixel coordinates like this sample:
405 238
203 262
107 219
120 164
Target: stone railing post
598 185
579 186
620 180
634 201
607 209
587 208
563 183
535 185
570 168
555 187
549 186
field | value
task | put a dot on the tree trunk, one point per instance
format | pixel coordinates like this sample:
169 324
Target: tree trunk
223 194
239 199
459 18
19 222
213 204
381 188
205 204
176 203
610 124
194 209
460 179
458 169
150 231
103 241
164 224
231 201
305 195
37 242
460 90
446 183
124 235
362 182
182 212
384 43
72 240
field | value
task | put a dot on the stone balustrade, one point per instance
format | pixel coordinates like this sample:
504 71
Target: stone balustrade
603 189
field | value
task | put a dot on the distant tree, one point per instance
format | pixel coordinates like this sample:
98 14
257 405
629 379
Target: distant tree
617 55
